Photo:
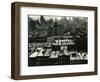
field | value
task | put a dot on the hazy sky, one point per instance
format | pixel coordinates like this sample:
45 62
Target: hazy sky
46 17
35 17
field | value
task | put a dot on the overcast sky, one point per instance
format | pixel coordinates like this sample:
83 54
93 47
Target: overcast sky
35 17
